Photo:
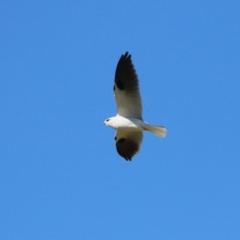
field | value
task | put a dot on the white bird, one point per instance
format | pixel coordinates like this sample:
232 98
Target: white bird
129 122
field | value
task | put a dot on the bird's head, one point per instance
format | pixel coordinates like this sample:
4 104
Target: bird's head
109 122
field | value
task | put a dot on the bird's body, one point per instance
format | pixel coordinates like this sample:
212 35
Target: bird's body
123 123
129 122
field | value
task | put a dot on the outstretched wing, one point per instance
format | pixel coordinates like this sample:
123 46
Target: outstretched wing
126 89
128 143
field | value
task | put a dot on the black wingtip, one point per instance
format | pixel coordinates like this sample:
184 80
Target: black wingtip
127 55
125 75
127 158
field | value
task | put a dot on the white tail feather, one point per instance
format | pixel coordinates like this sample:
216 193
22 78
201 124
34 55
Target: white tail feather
157 130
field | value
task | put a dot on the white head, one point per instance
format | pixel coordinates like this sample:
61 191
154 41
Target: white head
109 122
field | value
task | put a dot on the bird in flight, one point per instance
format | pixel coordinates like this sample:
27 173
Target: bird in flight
129 122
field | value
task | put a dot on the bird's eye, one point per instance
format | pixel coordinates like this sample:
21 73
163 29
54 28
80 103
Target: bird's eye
107 120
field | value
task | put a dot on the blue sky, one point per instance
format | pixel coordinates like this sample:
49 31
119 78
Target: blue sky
60 174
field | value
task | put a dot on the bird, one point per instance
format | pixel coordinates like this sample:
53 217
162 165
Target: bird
129 122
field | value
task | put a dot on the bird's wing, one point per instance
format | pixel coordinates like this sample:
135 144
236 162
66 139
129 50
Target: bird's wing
126 89
128 143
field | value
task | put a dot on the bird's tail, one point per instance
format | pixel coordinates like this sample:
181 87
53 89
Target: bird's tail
160 131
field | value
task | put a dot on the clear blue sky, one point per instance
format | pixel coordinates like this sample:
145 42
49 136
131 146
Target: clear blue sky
60 174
